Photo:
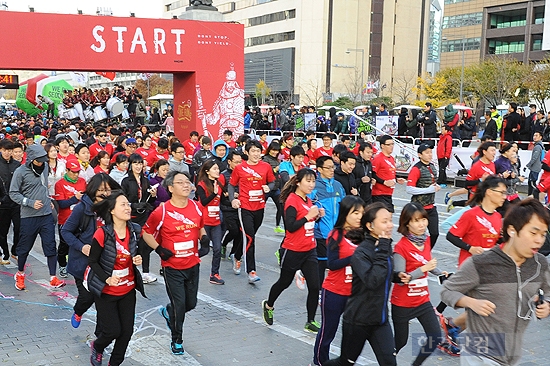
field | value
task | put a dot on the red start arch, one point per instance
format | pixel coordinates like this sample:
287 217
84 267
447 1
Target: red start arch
206 58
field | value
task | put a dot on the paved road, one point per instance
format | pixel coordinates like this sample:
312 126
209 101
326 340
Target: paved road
225 328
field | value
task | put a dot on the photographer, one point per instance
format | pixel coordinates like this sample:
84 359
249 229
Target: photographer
427 121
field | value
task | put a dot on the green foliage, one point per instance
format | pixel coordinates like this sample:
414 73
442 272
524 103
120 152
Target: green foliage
343 102
262 91
537 82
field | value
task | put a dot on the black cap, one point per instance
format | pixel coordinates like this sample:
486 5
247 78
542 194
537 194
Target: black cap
423 147
493 107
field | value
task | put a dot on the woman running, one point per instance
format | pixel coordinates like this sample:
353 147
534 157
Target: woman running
112 277
298 251
342 242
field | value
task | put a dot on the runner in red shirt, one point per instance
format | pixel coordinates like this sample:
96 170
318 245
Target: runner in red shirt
101 144
68 192
173 231
263 141
326 149
298 248
383 172
254 178
161 151
286 145
412 255
190 145
228 139
147 152
337 284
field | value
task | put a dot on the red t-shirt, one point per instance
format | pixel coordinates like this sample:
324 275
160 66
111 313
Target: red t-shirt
384 167
321 151
477 170
211 212
302 240
189 147
264 146
65 158
156 156
113 158
65 190
414 176
339 281
147 155
177 231
250 179
416 292
232 144
285 153
96 148
123 267
478 229
98 169
546 161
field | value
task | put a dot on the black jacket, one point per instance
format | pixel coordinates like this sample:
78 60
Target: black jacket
491 129
346 180
525 126
430 130
363 168
372 266
512 121
7 167
467 129
140 206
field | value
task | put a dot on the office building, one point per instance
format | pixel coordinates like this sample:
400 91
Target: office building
315 50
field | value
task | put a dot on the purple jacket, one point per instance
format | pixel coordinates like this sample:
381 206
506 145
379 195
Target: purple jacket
502 164
162 193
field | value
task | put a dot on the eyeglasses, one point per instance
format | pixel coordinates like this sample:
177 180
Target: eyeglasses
501 192
327 167
101 135
180 152
181 183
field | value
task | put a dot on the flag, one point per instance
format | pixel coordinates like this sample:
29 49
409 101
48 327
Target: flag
79 78
108 75
144 76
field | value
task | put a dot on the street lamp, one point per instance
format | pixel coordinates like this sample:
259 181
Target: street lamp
362 66
463 39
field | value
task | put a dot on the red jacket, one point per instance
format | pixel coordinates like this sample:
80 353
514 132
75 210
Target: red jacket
445 146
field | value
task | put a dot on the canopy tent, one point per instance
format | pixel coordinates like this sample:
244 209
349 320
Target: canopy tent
163 100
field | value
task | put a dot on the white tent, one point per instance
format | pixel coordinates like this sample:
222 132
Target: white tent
163 99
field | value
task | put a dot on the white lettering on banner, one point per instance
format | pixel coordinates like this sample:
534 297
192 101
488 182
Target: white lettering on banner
159 39
120 39
138 39
178 33
98 39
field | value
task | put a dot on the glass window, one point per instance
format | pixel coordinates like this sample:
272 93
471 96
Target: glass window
270 18
539 15
453 45
270 38
462 20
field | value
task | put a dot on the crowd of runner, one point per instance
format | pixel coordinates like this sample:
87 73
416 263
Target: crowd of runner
116 194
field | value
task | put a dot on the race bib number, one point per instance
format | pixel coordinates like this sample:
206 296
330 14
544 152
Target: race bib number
122 274
349 274
308 226
184 248
214 211
256 195
418 287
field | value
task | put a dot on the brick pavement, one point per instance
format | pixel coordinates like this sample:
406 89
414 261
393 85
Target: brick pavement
225 328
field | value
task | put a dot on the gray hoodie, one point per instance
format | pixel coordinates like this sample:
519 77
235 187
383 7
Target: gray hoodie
494 276
26 187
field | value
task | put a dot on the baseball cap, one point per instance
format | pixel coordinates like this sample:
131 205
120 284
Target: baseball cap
130 140
423 147
73 166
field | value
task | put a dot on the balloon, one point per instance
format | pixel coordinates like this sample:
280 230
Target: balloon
51 87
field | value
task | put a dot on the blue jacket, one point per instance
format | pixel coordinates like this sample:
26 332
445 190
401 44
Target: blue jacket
327 194
77 237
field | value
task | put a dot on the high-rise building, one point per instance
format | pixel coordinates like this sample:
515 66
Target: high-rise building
434 43
311 50
484 28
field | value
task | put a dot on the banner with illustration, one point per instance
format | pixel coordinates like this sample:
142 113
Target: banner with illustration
388 124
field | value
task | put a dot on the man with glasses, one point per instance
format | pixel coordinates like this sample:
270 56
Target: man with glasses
383 172
328 194
175 230
101 143
146 151
176 161
326 149
131 146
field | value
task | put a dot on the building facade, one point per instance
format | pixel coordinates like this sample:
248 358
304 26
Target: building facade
314 50
476 29
434 44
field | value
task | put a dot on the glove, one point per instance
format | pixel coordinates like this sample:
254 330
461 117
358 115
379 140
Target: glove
204 246
164 253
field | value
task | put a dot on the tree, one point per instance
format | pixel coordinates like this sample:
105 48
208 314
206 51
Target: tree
312 93
343 102
538 82
157 85
495 79
353 85
262 90
403 88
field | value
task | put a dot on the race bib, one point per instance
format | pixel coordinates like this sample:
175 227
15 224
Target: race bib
214 211
309 227
418 287
184 248
122 274
256 195
349 274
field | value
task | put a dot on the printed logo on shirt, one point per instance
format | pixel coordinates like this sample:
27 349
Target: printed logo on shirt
252 172
120 248
487 170
179 217
419 257
487 224
390 164
71 189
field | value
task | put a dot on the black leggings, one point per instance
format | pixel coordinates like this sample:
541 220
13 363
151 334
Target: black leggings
275 196
433 225
292 261
380 338
427 318
145 252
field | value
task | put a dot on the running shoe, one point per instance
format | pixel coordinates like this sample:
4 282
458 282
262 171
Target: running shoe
267 313
56 282
148 278
450 206
278 256
236 265
177 348
443 185
96 358
279 230
253 277
447 198
75 320
300 280
216 279
164 313
223 252
312 327
19 280
63 272
449 349
5 261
